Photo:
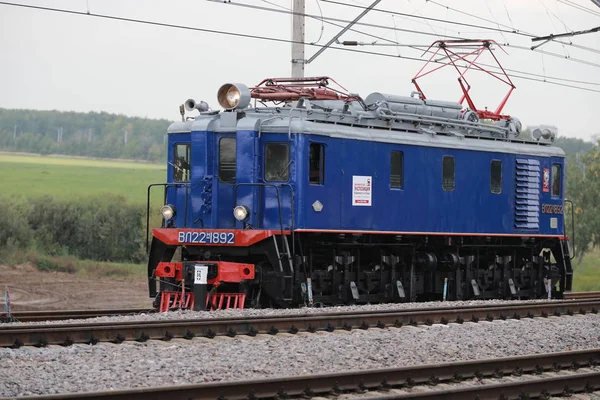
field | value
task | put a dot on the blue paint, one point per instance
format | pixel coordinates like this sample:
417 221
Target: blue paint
420 206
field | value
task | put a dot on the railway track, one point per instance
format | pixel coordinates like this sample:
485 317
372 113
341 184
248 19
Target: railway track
37 316
17 335
385 380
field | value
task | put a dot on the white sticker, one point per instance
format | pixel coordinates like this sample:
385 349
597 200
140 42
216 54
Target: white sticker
201 274
553 223
361 190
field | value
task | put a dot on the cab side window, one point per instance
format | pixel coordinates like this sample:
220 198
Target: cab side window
316 164
556 179
277 162
181 163
227 160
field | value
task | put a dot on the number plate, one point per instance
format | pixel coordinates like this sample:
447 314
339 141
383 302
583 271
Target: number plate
201 237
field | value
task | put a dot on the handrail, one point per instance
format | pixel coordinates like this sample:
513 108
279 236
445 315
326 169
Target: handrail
165 185
572 225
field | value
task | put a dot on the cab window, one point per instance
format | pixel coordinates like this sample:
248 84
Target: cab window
277 162
317 164
181 163
227 160
556 179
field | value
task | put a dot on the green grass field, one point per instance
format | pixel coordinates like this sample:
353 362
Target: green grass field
63 178
587 274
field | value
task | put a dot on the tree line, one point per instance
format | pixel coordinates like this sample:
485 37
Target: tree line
90 134
583 188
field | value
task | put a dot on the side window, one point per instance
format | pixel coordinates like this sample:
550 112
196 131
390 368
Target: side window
181 163
397 170
556 179
448 173
277 162
227 160
316 164
496 177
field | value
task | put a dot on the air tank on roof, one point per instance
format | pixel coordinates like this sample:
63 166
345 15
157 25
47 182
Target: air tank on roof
413 105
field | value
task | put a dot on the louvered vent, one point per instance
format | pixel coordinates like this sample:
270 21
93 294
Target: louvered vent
527 194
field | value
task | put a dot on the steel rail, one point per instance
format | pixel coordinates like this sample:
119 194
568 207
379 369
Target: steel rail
56 315
534 388
17 335
582 295
383 379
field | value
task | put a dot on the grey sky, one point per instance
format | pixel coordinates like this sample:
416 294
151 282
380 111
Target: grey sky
66 62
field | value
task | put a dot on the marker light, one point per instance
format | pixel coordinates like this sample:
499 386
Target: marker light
167 211
241 213
233 96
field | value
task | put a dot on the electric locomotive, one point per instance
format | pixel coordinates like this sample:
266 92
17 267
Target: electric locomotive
313 195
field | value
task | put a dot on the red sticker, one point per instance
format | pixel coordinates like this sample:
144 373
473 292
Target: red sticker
546 180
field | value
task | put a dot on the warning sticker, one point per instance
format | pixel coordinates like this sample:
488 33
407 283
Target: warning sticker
361 190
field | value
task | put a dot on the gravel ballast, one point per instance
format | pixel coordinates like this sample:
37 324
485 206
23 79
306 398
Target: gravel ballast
30 371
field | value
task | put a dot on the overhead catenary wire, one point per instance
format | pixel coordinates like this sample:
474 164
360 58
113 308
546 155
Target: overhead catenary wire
518 32
258 37
392 43
323 21
491 28
497 24
548 53
319 19
326 19
345 21
553 26
522 33
579 7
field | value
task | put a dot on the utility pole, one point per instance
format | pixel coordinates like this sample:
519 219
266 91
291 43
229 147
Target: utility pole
125 137
15 132
298 59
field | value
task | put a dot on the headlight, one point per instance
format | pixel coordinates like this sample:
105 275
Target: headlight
232 96
241 213
167 211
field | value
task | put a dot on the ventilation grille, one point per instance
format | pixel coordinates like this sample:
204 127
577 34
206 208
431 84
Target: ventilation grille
527 194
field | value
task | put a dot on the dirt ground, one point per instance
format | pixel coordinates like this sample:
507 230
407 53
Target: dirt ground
31 289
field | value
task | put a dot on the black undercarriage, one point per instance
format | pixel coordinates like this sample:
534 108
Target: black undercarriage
331 268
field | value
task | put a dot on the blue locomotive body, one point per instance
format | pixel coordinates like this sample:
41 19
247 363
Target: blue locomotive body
337 203
489 192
